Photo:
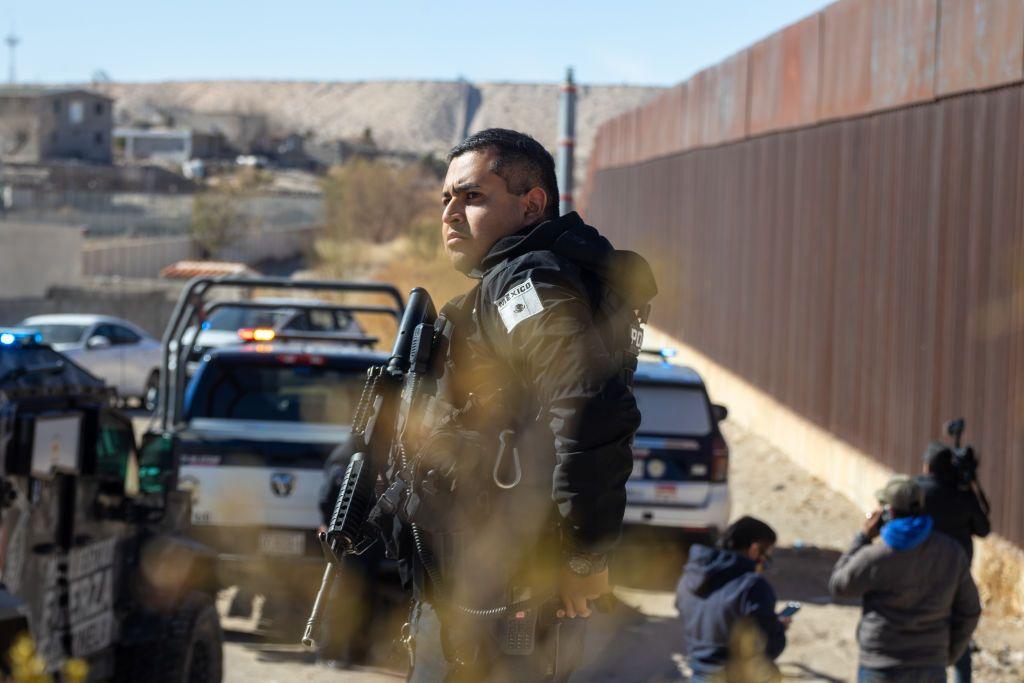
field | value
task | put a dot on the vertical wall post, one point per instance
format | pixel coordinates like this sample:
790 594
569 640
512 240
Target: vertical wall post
566 142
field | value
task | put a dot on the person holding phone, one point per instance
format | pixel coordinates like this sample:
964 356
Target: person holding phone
920 604
723 585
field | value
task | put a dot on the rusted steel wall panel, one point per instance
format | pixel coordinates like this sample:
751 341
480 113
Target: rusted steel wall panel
903 52
876 54
852 58
725 101
784 78
981 44
847 27
869 273
693 112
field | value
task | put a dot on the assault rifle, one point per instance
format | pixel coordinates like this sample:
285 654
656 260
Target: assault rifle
384 407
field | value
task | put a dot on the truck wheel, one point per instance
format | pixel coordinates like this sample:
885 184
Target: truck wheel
189 648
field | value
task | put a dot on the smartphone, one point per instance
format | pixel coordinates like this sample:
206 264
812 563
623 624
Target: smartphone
790 609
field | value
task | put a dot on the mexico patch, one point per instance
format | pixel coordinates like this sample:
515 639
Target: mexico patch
518 304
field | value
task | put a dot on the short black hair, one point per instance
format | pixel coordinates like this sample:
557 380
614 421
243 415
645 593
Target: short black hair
745 532
519 160
939 459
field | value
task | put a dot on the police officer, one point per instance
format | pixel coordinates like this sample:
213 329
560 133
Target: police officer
522 492
957 512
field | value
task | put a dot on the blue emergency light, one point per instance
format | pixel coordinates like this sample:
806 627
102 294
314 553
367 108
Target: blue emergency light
19 336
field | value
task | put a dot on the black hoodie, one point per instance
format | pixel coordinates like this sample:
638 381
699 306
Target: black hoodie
539 313
718 588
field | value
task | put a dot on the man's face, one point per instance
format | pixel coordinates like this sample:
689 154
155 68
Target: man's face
761 554
479 210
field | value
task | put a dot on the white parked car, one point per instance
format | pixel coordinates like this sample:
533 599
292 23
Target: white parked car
115 350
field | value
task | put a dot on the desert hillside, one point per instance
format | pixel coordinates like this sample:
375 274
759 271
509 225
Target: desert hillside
419 116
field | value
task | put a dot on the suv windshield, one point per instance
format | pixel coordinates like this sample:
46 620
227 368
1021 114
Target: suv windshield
60 334
672 410
227 318
313 393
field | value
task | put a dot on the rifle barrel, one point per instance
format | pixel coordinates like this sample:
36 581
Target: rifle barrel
316 617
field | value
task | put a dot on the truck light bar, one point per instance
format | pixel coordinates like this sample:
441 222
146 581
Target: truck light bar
19 336
257 334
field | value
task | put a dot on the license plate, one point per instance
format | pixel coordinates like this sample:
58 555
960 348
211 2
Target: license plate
282 543
666 493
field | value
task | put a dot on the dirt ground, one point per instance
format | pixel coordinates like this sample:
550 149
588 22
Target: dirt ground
640 641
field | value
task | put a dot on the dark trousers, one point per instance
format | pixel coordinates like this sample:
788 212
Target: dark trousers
921 674
558 651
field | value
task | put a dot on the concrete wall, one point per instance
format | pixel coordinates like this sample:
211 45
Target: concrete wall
145 257
35 257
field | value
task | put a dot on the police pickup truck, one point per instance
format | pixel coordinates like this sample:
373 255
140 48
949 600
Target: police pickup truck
93 558
252 429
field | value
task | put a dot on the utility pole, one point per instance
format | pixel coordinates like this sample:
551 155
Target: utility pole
566 142
12 44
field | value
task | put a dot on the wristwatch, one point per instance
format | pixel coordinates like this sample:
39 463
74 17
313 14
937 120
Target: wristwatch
586 564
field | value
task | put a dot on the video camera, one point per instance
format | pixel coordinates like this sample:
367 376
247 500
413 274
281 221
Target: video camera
965 461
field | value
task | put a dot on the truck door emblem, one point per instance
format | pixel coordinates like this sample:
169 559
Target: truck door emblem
282 483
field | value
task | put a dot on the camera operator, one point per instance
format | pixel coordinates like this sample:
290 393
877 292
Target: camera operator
953 504
950 501
920 604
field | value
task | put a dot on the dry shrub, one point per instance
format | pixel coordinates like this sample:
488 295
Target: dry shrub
216 220
376 201
999 569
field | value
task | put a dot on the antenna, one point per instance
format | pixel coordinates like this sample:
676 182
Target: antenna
11 41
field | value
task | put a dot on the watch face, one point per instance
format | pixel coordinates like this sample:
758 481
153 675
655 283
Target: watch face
580 565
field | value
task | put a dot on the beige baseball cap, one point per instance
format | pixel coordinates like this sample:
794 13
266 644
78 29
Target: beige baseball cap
901 494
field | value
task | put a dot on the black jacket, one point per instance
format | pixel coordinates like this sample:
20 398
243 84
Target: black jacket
537 328
718 588
957 513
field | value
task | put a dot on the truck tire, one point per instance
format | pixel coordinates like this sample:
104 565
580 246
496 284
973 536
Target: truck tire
189 648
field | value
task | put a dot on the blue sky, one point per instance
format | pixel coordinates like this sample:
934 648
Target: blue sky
633 41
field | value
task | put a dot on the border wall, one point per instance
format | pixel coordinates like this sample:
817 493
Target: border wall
836 220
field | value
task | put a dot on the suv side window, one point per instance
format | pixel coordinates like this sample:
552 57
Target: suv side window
300 323
321 321
344 321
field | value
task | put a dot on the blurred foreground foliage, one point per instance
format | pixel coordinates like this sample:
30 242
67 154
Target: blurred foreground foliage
27 666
